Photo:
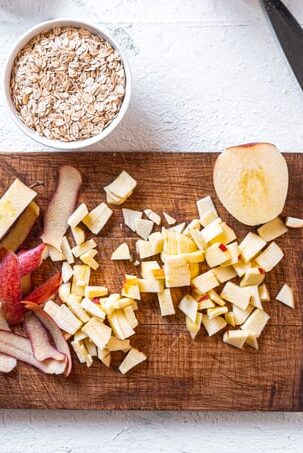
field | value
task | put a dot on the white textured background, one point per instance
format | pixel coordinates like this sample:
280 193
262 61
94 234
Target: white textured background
207 73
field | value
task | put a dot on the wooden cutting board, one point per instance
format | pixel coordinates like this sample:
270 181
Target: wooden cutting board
179 374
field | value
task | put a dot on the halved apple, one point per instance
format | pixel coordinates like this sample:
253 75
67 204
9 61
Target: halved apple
251 182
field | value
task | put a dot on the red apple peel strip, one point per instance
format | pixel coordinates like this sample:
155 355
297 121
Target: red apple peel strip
44 292
10 287
56 334
39 338
20 348
30 260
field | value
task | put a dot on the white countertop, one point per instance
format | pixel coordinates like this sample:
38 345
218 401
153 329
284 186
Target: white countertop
207 73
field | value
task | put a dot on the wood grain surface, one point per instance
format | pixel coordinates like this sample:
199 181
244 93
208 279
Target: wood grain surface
179 374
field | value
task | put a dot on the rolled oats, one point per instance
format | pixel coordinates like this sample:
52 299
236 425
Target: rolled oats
67 84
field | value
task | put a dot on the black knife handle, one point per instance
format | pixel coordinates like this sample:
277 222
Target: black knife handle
290 34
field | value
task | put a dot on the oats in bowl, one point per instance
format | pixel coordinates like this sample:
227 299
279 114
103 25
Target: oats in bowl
67 84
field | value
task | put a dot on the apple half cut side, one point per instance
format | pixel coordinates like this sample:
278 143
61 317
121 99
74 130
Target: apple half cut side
251 182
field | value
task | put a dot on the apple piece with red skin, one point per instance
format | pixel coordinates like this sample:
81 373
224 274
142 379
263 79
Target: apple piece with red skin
44 292
54 331
30 260
10 287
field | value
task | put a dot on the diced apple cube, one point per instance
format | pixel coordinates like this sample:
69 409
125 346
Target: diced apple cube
115 344
272 230
147 268
121 252
251 245
156 241
177 276
236 295
223 274
78 215
216 298
227 236
78 235
122 187
95 291
205 282
66 272
217 254
98 332
67 251
234 252
213 326
132 359
143 228
253 276
194 327
252 341
286 296
270 257
178 228
88 258
230 318
130 216
51 308
208 217
80 351
194 270
90 347
97 218
206 205
240 315
216 311
64 291
294 222
254 296
212 230
120 324
73 303
66 320
130 316
240 268
105 356
193 225
83 248
204 302
93 309
236 338
256 322
166 303
79 336
81 279
145 249
150 285
197 238
169 219
54 254
131 288
263 293
189 306
153 216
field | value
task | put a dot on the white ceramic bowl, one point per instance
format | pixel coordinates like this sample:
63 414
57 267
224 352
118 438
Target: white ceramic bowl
23 40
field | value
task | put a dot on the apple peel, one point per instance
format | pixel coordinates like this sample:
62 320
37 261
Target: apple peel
39 338
10 287
54 331
20 348
44 292
30 260
61 207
